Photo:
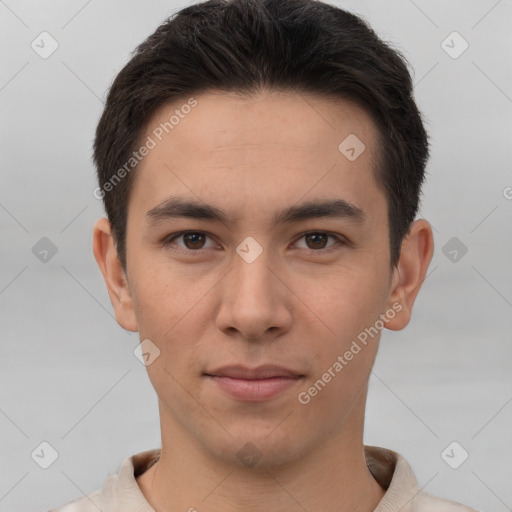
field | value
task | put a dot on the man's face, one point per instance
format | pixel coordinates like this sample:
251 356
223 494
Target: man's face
211 299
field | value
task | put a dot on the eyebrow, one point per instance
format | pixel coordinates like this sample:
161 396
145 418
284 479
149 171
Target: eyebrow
176 207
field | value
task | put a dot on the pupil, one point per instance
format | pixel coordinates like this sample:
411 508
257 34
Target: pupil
193 238
316 235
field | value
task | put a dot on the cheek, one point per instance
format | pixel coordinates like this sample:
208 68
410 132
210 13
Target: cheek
345 353
351 301
344 311
176 330
161 297
173 312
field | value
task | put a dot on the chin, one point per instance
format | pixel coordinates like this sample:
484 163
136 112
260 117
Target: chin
261 449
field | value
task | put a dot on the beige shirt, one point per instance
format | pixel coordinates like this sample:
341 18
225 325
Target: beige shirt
121 492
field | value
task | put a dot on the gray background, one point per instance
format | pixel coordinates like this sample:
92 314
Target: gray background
68 375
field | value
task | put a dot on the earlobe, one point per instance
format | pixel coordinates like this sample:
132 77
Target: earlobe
415 256
106 256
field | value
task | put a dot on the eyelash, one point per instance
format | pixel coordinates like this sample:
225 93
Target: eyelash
169 240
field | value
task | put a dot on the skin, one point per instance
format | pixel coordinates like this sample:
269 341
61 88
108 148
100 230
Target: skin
299 304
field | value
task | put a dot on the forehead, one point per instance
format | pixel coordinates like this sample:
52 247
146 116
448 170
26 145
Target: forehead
268 147
220 119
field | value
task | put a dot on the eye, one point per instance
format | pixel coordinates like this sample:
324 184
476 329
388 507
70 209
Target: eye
192 240
317 240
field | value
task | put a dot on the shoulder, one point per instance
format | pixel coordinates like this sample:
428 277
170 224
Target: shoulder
393 473
119 489
426 502
90 503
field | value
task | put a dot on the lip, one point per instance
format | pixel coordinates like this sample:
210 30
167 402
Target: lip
254 384
265 371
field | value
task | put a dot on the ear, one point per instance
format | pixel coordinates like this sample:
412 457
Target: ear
105 253
415 256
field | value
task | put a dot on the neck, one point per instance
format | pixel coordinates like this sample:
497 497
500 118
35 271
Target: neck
331 477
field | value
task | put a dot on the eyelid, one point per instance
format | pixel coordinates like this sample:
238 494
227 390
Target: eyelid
169 240
340 239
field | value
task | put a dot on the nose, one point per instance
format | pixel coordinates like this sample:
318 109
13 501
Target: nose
255 301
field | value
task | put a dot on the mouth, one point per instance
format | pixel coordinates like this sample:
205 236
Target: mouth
254 384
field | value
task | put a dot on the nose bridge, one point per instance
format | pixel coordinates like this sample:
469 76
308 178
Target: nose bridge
252 302
251 276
